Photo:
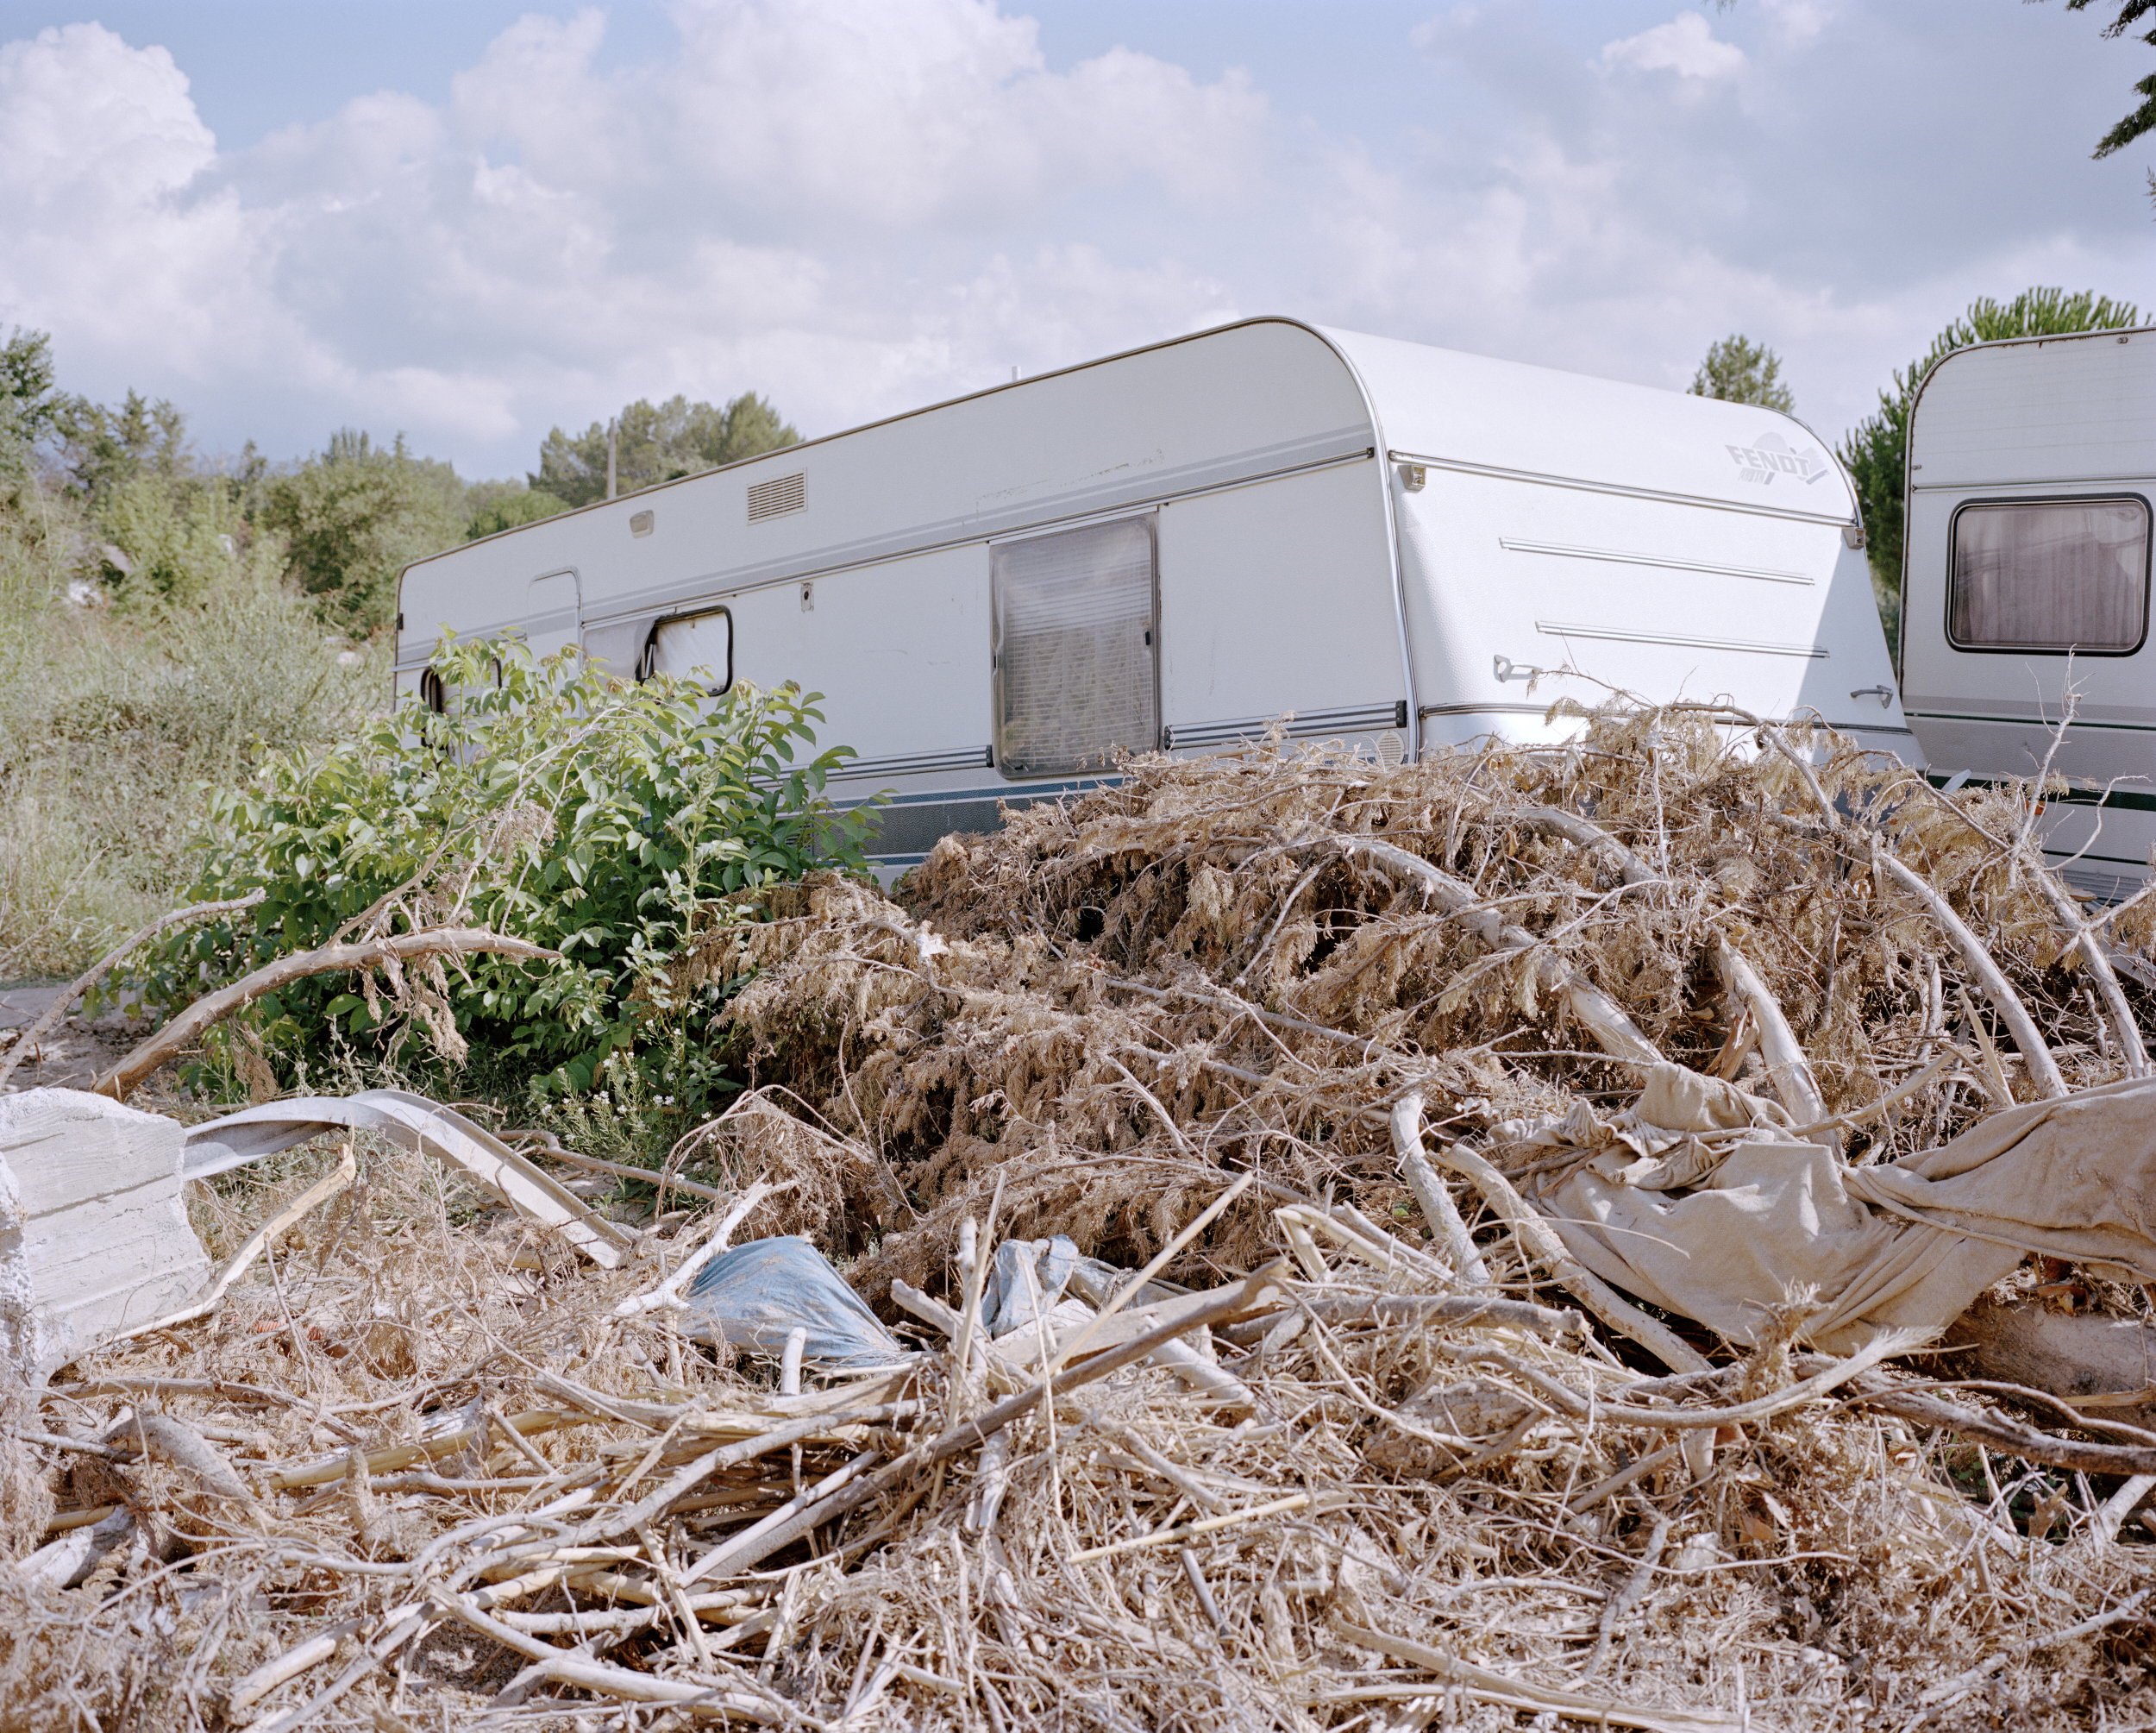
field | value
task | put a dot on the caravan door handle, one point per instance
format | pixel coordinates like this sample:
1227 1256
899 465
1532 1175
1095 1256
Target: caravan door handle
1884 693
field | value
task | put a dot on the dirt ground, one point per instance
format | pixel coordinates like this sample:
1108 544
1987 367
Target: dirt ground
73 1053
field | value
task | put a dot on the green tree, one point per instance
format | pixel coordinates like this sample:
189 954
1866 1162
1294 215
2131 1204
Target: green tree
354 516
1738 370
658 442
497 505
178 541
26 399
1876 448
101 449
168 533
2143 119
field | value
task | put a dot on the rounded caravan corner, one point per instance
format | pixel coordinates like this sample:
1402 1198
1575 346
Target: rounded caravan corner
1411 714
1977 356
1623 537
1961 358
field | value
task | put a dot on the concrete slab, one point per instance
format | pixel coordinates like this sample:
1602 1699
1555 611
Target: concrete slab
94 1234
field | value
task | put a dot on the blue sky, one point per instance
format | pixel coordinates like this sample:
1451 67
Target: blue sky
472 221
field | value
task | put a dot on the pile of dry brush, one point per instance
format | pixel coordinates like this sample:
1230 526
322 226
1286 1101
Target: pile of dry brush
1372 1469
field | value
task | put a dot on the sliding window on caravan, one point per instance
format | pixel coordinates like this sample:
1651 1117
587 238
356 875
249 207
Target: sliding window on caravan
683 645
1076 648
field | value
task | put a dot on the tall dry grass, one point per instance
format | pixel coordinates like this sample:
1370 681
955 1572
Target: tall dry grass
113 726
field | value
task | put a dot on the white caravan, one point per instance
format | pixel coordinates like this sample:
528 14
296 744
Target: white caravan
1166 547
2031 464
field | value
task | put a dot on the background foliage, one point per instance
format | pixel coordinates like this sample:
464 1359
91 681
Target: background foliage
1738 370
656 442
115 723
168 622
355 515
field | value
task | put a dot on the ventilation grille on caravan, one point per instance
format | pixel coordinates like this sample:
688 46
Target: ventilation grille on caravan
777 497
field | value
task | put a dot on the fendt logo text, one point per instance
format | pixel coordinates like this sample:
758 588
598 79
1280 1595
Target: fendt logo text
1771 455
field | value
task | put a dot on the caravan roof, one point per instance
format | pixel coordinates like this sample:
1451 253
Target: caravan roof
1213 409
1441 406
2037 411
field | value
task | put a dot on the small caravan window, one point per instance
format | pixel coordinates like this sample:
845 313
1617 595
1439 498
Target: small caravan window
688 642
2050 574
1075 654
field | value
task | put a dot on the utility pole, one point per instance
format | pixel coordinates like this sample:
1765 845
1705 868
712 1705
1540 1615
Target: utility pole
609 458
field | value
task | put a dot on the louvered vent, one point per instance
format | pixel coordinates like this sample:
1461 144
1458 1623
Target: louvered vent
777 497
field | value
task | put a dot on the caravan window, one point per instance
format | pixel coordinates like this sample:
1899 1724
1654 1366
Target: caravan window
2050 574
688 642
1076 656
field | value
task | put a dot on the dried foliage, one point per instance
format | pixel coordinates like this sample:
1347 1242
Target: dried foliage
1215 944
1372 1494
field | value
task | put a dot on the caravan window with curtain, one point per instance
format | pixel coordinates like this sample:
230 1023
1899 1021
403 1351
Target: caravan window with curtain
1077 651
2050 574
688 642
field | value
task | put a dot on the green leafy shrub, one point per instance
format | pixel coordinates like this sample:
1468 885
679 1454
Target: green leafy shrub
624 1119
181 542
549 802
497 505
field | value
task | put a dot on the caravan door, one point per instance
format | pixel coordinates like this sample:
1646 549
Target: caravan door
550 613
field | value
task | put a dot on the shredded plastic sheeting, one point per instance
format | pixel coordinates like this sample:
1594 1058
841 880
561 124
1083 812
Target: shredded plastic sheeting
1722 1232
1026 1279
757 1295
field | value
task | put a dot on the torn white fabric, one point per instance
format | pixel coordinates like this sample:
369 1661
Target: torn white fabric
1720 1228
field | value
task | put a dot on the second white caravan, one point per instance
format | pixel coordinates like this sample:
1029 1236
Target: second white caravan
2031 467
1164 548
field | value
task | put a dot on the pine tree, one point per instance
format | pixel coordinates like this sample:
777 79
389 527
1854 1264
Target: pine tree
1738 370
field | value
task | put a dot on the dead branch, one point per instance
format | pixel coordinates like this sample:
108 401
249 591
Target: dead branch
1537 1241
183 1031
1599 1015
105 965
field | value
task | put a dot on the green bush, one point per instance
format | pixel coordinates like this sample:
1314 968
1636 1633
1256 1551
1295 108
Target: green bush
179 541
547 802
659 441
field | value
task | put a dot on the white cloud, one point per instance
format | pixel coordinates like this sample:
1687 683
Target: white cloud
851 205
99 146
84 116
1685 46
1799 21
860 205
